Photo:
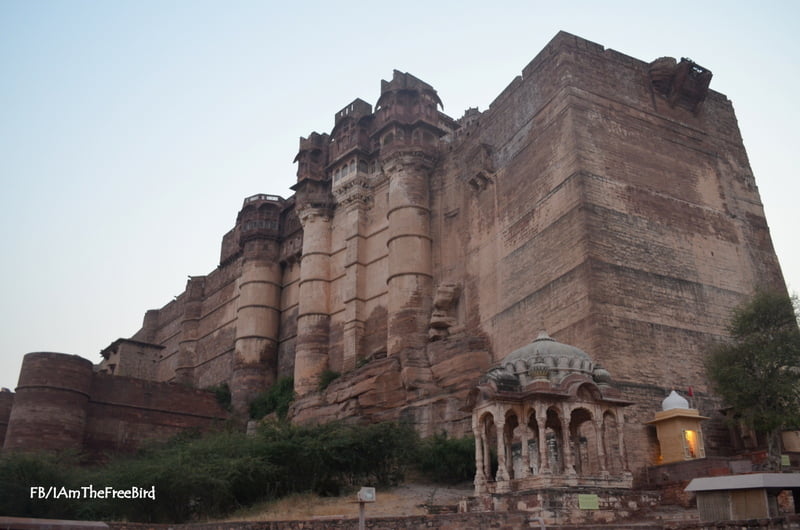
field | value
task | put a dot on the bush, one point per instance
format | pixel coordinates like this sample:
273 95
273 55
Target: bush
447 460
326 378
277 399
223 394
19 472
198 477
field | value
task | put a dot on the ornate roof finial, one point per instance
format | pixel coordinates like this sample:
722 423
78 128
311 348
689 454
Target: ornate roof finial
539 370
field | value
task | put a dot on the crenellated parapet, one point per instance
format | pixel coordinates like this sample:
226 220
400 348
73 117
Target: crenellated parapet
407 100
312 157
350 138
407 117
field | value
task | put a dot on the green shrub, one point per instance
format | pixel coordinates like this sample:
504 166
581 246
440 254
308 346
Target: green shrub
197 477
19 472
223 394
447 460
326 378
276 399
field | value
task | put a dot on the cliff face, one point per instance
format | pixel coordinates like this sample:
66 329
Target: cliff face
606 199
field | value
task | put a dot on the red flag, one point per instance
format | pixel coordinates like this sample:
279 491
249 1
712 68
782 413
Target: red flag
691 392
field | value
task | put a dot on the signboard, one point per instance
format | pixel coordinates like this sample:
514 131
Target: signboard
366 494
588 502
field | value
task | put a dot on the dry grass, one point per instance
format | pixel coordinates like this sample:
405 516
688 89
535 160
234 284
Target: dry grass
407 499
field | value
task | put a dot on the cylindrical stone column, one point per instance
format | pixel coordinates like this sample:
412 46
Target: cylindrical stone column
51 403
410 281
257 323
313 315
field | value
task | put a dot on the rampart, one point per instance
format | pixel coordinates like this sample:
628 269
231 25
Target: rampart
62 404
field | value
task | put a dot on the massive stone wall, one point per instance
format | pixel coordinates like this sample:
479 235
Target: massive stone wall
606 199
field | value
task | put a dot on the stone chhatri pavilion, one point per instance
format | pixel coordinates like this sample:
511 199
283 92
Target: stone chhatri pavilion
554 418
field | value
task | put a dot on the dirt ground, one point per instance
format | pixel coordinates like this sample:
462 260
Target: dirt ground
406 499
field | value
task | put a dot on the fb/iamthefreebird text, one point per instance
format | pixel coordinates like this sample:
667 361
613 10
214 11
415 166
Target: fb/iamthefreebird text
90 492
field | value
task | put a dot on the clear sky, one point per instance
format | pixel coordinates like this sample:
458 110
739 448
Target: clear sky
131 131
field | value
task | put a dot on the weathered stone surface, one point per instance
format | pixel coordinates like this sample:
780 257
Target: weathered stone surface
604 198
458 373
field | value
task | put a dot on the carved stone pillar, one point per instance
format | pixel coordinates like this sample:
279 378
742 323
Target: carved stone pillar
569 457
410 281
623 453
313 315
487 452
480 476
601 450
525 436
544 462
502 467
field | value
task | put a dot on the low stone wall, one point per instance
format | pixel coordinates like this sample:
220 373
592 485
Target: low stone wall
563 506
776 523
462 521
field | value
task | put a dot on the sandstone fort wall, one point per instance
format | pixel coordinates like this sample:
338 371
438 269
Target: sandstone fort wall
591 199
61 404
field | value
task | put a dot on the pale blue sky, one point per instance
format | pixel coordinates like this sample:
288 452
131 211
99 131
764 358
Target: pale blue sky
131 130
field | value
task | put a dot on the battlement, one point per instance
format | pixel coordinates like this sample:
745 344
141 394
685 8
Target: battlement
263 197
355 110
403 81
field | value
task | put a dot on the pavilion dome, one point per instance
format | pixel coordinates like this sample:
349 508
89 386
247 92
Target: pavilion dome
674 401
529 360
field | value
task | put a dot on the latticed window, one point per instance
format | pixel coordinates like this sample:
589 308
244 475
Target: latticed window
693 444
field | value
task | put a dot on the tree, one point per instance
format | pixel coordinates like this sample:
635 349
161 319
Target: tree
757 372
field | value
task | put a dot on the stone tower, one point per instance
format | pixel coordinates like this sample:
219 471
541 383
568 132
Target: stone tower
258 312
314 208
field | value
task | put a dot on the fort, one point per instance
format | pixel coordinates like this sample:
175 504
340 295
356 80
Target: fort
594 227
